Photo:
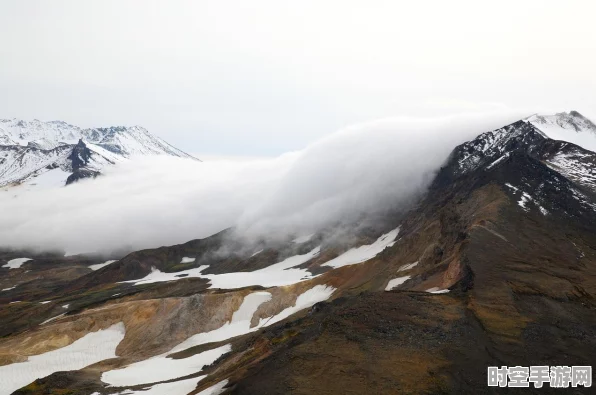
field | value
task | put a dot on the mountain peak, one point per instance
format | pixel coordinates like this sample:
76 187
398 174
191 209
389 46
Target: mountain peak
569 126
527 136
571 120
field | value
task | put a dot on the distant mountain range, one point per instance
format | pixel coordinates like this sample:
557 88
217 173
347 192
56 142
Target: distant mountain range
55 152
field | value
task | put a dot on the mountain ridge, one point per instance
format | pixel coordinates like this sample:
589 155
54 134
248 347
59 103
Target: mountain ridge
29 149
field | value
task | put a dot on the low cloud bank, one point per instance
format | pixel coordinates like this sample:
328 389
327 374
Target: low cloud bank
149 202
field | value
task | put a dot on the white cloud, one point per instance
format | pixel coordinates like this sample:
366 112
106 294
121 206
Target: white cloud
158 201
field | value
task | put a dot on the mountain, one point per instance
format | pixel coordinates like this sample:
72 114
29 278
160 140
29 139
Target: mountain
572 127
494 266
57 153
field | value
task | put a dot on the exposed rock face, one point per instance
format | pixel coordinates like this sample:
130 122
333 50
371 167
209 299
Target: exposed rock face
496 265
80 157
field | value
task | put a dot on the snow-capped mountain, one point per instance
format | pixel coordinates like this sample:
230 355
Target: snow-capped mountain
572 127
554 173
492 263
55 152
569 127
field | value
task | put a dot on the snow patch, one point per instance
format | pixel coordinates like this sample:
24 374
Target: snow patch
525 198
255 253
407 267
100 265
187 260
181 387
502 158
569 127
436 290
396 282
318 293
279 274
365 252
89 349
16 263
576 166
52 319
216 389
239 325
157 275
162 368
515 189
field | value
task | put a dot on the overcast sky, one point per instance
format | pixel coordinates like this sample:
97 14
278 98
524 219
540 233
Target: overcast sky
263 77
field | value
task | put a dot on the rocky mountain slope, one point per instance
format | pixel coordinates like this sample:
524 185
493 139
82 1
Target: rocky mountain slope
57 153
495 265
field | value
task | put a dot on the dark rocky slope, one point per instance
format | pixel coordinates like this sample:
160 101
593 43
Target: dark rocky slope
505 226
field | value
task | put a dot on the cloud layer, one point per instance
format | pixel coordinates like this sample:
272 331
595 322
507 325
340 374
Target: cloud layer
149 202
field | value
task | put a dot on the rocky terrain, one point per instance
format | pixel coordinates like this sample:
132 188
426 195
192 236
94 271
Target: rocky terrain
495 265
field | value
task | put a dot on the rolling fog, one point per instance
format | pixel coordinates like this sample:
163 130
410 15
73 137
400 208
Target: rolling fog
149 202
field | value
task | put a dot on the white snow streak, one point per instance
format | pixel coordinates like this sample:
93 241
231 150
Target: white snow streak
365 252
318 293
396 282
499 160
52 319
279 274
181 387
215 389
256 253
100 265
91 348
525 198
436 290
407 267
564 127
16 263
239 325
162 368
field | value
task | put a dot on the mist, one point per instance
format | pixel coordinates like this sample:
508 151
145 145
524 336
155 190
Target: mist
154 201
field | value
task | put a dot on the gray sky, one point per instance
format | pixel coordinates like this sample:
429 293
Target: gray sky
268 76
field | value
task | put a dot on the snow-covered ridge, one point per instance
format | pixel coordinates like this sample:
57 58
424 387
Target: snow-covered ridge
572 127
494 147
122 140
21 132
565 143
491 148
30 149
